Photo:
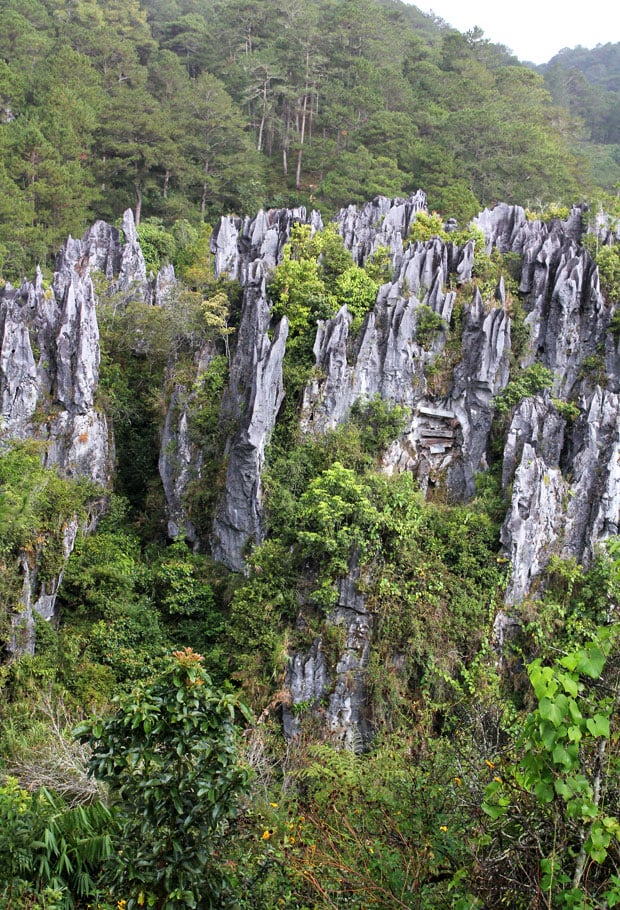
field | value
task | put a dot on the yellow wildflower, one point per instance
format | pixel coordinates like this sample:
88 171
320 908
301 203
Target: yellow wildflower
443 827
266 835
488 763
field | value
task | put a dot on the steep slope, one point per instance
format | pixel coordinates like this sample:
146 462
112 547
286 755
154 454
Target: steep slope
497 346
49 377
558 431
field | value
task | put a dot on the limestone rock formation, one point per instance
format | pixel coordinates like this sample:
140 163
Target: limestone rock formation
49 376
439 342
562 470
251 404
246 250
338 691
237 243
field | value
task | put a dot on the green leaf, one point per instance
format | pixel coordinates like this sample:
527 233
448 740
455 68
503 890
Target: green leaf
561 756
494 811
552 710
548 735
574 711
569 684
544 791
598 725
592 662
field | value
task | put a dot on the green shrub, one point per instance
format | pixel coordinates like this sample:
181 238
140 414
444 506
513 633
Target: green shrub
530 381
428 325
170 757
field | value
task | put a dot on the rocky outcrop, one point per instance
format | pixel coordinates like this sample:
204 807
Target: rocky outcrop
566 313
564 475
566 486
236 243
330 677
49 373
435 343
393 357
246 250
49 377
250 405
380 223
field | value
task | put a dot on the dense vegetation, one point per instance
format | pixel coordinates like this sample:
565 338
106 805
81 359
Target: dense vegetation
143 762
586 83
480 780
185 109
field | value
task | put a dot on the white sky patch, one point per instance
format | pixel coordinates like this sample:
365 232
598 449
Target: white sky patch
534 30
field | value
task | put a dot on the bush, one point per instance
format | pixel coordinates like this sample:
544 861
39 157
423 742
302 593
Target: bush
533 379
169 756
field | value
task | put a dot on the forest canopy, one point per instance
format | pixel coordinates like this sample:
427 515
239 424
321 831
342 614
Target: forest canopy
186 109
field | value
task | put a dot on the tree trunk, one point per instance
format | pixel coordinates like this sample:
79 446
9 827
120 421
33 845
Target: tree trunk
259 144
304 113
301 143
203 198
138 214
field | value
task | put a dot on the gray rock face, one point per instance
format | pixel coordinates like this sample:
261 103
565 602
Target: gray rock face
531 528
180 457
566 313
445 434
565 496
338 692
380 223
237 243
251 403
566 491
49 375
246 250
51 396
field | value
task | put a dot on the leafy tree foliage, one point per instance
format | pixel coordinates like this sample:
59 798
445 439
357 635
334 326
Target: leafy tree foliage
50 853
558 803
170 757
185 110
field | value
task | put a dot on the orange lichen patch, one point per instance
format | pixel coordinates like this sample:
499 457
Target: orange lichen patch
83 437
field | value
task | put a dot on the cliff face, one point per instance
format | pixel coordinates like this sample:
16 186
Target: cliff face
49 376
562 473
560 447
247 251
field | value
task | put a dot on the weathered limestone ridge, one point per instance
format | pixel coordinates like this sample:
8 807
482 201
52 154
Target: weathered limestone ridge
446 433
564 473
381 223
566 313
338 693
49 376
566 489
250 404
237 242
246 250
51 395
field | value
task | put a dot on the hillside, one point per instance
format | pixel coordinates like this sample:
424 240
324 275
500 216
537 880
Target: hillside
309 462
184 110
587 84
367 470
